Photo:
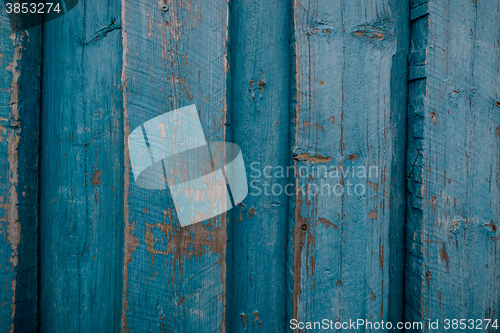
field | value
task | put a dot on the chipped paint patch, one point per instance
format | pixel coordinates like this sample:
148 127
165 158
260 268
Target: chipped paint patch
444 256
373 215
96 178
327 223
251 212
131 241
257 319
13 138
316 159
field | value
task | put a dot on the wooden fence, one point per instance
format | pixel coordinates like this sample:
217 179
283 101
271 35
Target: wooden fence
408 91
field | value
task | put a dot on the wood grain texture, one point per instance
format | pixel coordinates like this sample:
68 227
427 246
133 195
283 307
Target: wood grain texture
453 162
258 121
349 107
19 114
174 278
81 196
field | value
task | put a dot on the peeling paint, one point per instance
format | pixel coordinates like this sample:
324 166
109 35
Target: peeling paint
327 223
251 212
13 139
316 159
244 319
96 178
373 215
261 85
257 319
445 257
131 241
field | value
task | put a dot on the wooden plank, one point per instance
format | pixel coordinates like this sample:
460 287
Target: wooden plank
19 114
419 11
174 278
81 196
259 123
347 244
453 165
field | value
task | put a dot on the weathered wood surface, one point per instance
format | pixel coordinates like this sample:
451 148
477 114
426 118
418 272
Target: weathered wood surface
346 251
453 162
113 256
259 124
174 278
81 178
19 114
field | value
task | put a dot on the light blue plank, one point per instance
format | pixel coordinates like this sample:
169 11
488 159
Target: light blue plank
346 252
453 165
81 177
174 278
19 123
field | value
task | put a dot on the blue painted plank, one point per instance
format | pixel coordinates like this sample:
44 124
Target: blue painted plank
174 277
453 165
259 123
81 182
346 244
20 55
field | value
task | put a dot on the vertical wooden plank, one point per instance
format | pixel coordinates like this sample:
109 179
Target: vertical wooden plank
81 207
259 124
349 106
174 278
19 114
453 162
398 194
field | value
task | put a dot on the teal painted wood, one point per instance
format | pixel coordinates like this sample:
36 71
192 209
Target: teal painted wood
397 198
19 113
346 249
258 121
453 163
81 192
174 278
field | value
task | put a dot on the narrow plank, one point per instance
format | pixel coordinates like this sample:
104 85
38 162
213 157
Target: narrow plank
453 165
174 278
81 196
418 11
259 123
20 56
347 243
